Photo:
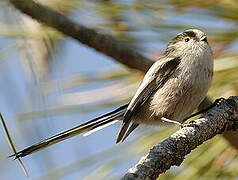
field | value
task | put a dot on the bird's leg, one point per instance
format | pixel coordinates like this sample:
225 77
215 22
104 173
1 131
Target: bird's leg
216 102
171 121
182 125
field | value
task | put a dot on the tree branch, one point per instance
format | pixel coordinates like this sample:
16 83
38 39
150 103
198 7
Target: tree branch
105 44
231 137
172 151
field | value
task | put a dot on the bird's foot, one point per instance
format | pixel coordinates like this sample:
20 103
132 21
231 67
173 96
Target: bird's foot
171 121
215 103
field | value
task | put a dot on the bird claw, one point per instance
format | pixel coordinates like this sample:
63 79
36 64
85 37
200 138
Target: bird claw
218 101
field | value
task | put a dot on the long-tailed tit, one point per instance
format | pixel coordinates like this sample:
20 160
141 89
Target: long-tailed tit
172 88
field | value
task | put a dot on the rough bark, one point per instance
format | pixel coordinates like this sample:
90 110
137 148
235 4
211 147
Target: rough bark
172 151
105 44
231 137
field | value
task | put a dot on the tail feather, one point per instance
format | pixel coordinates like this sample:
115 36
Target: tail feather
83 128
99 128
122 131
129 131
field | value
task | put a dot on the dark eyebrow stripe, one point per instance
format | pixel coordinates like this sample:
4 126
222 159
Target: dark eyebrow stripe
189 33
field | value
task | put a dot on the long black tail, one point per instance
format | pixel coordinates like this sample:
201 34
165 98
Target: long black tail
83 128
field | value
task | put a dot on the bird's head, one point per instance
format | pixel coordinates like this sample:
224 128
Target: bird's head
188 42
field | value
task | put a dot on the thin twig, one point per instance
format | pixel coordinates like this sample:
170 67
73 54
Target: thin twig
11 144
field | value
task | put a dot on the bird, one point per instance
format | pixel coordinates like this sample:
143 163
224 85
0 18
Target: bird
172 89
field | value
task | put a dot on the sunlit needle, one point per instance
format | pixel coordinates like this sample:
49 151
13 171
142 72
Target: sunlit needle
11 144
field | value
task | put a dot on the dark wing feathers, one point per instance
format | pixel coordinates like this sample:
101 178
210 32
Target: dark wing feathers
154 79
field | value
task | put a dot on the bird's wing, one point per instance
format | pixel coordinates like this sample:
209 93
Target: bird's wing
155 78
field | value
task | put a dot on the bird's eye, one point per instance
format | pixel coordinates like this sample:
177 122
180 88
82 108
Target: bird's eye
186 39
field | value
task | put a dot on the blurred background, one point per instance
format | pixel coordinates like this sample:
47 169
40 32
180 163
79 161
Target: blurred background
50 83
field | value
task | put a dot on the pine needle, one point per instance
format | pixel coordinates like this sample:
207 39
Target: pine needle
11 144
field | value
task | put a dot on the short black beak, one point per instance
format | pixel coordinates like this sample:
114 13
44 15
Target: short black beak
204 38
